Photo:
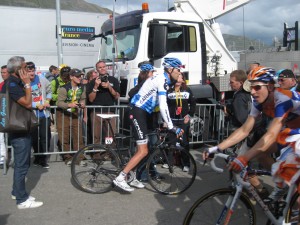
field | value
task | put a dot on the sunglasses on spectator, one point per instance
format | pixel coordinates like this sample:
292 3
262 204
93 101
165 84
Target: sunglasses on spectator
281 80
30 67
257 87
66 69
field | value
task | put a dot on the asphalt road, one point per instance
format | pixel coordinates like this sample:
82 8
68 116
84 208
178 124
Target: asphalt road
66 205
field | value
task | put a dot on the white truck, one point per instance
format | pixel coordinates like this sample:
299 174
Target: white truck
189 33
31 32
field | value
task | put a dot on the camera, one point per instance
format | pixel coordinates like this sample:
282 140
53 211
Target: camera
104 78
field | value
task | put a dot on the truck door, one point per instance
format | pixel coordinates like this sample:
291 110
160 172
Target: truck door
183 41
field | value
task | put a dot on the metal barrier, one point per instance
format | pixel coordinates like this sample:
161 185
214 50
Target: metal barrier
207 126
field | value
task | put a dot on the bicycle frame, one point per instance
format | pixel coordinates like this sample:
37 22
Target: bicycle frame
240 183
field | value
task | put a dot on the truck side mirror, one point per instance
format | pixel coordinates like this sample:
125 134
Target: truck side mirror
157 47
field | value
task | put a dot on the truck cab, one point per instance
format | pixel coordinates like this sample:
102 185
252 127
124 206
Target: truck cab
140 35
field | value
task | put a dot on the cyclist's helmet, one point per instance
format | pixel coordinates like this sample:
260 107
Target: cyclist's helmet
146 67
264 74
172 63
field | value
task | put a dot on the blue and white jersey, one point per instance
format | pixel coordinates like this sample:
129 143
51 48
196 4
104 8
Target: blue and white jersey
153 93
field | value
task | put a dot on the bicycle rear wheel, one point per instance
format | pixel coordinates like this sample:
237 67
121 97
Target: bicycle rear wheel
292 215
165 170
212 208
94 167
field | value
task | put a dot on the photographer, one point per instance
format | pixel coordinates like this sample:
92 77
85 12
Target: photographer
102 91
70 100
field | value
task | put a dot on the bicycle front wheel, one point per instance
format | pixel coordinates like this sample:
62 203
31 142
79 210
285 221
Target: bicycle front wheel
292 215
166 174
213 208
94 167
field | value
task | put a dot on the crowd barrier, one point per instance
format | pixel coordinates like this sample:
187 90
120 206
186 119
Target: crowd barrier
207 127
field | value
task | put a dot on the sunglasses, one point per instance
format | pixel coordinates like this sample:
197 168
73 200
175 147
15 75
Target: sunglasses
257 87
66 69
281 80
30 67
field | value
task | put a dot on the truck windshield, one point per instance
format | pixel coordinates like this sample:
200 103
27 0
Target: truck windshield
126 44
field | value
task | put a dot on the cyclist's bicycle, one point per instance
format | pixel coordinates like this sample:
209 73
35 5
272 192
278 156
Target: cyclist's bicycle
232 206
102 163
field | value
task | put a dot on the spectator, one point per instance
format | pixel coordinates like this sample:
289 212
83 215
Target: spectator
20 91
182 106
70 101
59 81
63 79
239 108
4 75
92 74
53 73
41 96
102 91
287 80
252 66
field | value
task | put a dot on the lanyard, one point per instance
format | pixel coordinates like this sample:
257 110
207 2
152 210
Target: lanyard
74 91
179 107
178 97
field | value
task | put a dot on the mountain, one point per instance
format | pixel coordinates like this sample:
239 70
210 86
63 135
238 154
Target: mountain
239 43
72 5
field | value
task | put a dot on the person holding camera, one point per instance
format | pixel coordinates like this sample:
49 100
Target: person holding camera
102 91
70 101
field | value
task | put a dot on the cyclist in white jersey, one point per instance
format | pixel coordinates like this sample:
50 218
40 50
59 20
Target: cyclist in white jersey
153 93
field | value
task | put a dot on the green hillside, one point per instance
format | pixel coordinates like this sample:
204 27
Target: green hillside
73 5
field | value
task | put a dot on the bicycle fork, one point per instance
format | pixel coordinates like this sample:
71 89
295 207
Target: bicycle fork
229 206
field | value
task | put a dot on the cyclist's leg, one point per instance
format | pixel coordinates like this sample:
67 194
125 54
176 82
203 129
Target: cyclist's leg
254 180
138 118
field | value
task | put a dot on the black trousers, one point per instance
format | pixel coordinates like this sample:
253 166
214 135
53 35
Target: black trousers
41 137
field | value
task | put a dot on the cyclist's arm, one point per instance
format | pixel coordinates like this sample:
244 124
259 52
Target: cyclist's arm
267 140
239 134
164 110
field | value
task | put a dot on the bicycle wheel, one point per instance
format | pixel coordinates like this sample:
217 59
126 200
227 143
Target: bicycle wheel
94 167
212 208
165 170
292 215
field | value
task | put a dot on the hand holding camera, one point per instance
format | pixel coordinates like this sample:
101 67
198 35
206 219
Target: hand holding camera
80 105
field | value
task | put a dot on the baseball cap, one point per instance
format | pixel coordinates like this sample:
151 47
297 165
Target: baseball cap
287 74
76 72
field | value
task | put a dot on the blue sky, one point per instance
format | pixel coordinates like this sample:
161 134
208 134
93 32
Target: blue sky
262 19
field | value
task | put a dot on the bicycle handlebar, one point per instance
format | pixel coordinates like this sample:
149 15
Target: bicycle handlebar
238 177
213 164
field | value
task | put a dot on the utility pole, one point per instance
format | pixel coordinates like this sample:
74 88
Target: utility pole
58 32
